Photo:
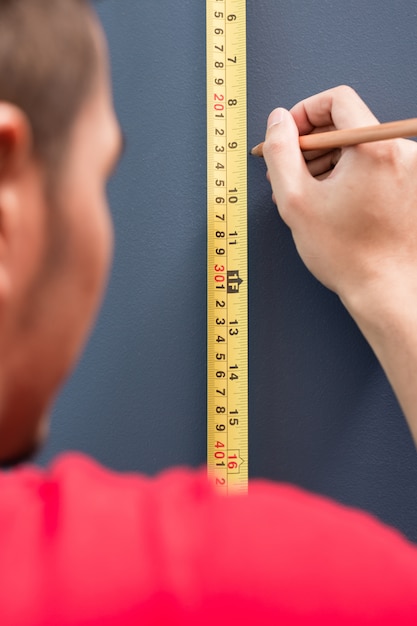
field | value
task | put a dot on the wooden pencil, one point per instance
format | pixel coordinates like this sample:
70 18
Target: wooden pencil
353 136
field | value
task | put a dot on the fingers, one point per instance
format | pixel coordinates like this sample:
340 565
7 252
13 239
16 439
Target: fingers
340 107
323 163
287 170
293 174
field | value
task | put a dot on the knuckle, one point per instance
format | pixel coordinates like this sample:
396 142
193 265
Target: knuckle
383 153
345 91
293 203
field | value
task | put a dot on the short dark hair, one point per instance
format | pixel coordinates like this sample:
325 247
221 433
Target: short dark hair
48 63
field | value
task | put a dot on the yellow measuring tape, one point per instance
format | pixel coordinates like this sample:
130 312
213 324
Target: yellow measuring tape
227 271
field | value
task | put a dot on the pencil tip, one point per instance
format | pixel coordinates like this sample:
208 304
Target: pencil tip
257 150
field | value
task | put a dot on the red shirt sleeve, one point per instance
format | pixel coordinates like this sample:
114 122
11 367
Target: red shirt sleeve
80 545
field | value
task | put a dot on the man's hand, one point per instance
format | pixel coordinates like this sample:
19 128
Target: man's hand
353 216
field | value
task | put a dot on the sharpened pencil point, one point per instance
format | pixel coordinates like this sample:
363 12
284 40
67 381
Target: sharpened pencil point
257 150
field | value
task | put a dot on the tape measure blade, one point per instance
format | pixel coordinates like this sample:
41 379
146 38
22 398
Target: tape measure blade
227 276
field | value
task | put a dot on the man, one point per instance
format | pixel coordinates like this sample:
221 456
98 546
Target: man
81 545
59 140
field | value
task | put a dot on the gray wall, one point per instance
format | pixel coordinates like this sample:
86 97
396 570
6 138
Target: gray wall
321 412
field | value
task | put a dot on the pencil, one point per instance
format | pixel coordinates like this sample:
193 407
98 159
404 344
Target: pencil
353 136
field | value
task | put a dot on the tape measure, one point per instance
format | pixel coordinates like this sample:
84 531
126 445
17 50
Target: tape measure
227 267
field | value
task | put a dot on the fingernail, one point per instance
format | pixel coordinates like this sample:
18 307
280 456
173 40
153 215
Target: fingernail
275 117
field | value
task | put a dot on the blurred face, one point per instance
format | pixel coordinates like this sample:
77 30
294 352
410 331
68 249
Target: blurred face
57 258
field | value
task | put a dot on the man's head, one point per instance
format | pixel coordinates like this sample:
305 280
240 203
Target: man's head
59 140
48 64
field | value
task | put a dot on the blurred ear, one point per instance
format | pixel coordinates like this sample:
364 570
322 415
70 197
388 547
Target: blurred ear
15 158
15 140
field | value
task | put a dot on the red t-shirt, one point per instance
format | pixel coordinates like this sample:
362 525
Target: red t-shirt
82 545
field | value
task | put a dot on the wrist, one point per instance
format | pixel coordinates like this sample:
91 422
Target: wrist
385 305
387 316
386 313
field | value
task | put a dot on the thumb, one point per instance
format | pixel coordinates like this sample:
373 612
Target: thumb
287 170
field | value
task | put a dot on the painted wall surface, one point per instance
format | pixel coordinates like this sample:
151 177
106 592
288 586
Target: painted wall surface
322 414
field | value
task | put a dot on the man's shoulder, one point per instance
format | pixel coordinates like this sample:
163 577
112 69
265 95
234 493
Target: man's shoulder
77 536
76 489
